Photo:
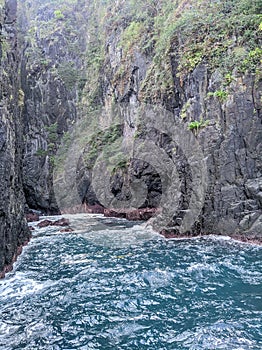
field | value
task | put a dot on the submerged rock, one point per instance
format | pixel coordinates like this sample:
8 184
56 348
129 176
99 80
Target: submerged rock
69 229
44 223
61 222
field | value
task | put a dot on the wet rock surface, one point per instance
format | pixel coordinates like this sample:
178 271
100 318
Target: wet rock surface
142 214
60 222
13 229
51 77
44 223
31 216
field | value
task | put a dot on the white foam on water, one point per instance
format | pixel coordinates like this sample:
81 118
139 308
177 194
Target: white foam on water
124 295
19 286
118 238
76 259
203 267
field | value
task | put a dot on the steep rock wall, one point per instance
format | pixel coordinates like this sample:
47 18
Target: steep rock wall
53 45
205 75
232 145
214 89
13 229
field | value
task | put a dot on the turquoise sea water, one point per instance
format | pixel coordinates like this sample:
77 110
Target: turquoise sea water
112 284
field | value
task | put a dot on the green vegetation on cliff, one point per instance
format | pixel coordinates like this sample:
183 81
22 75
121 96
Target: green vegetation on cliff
222 34
179 35
54 41
175 36
190 56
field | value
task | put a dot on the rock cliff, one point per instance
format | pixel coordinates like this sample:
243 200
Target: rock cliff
142 104
53 44
13 229
207 78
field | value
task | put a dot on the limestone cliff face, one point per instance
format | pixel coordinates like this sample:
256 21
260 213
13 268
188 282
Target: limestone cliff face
198 60
13 229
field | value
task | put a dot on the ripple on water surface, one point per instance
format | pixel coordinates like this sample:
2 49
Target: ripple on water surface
115 285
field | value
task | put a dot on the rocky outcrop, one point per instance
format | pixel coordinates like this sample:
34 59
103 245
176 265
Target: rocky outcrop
233 150
13 229
142 214
60 222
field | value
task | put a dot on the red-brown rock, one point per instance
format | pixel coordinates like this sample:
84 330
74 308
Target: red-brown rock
44 223
31 228
110 213
61 222
9 267
68 229
95 209
148 213
133 215
31 217
170 233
